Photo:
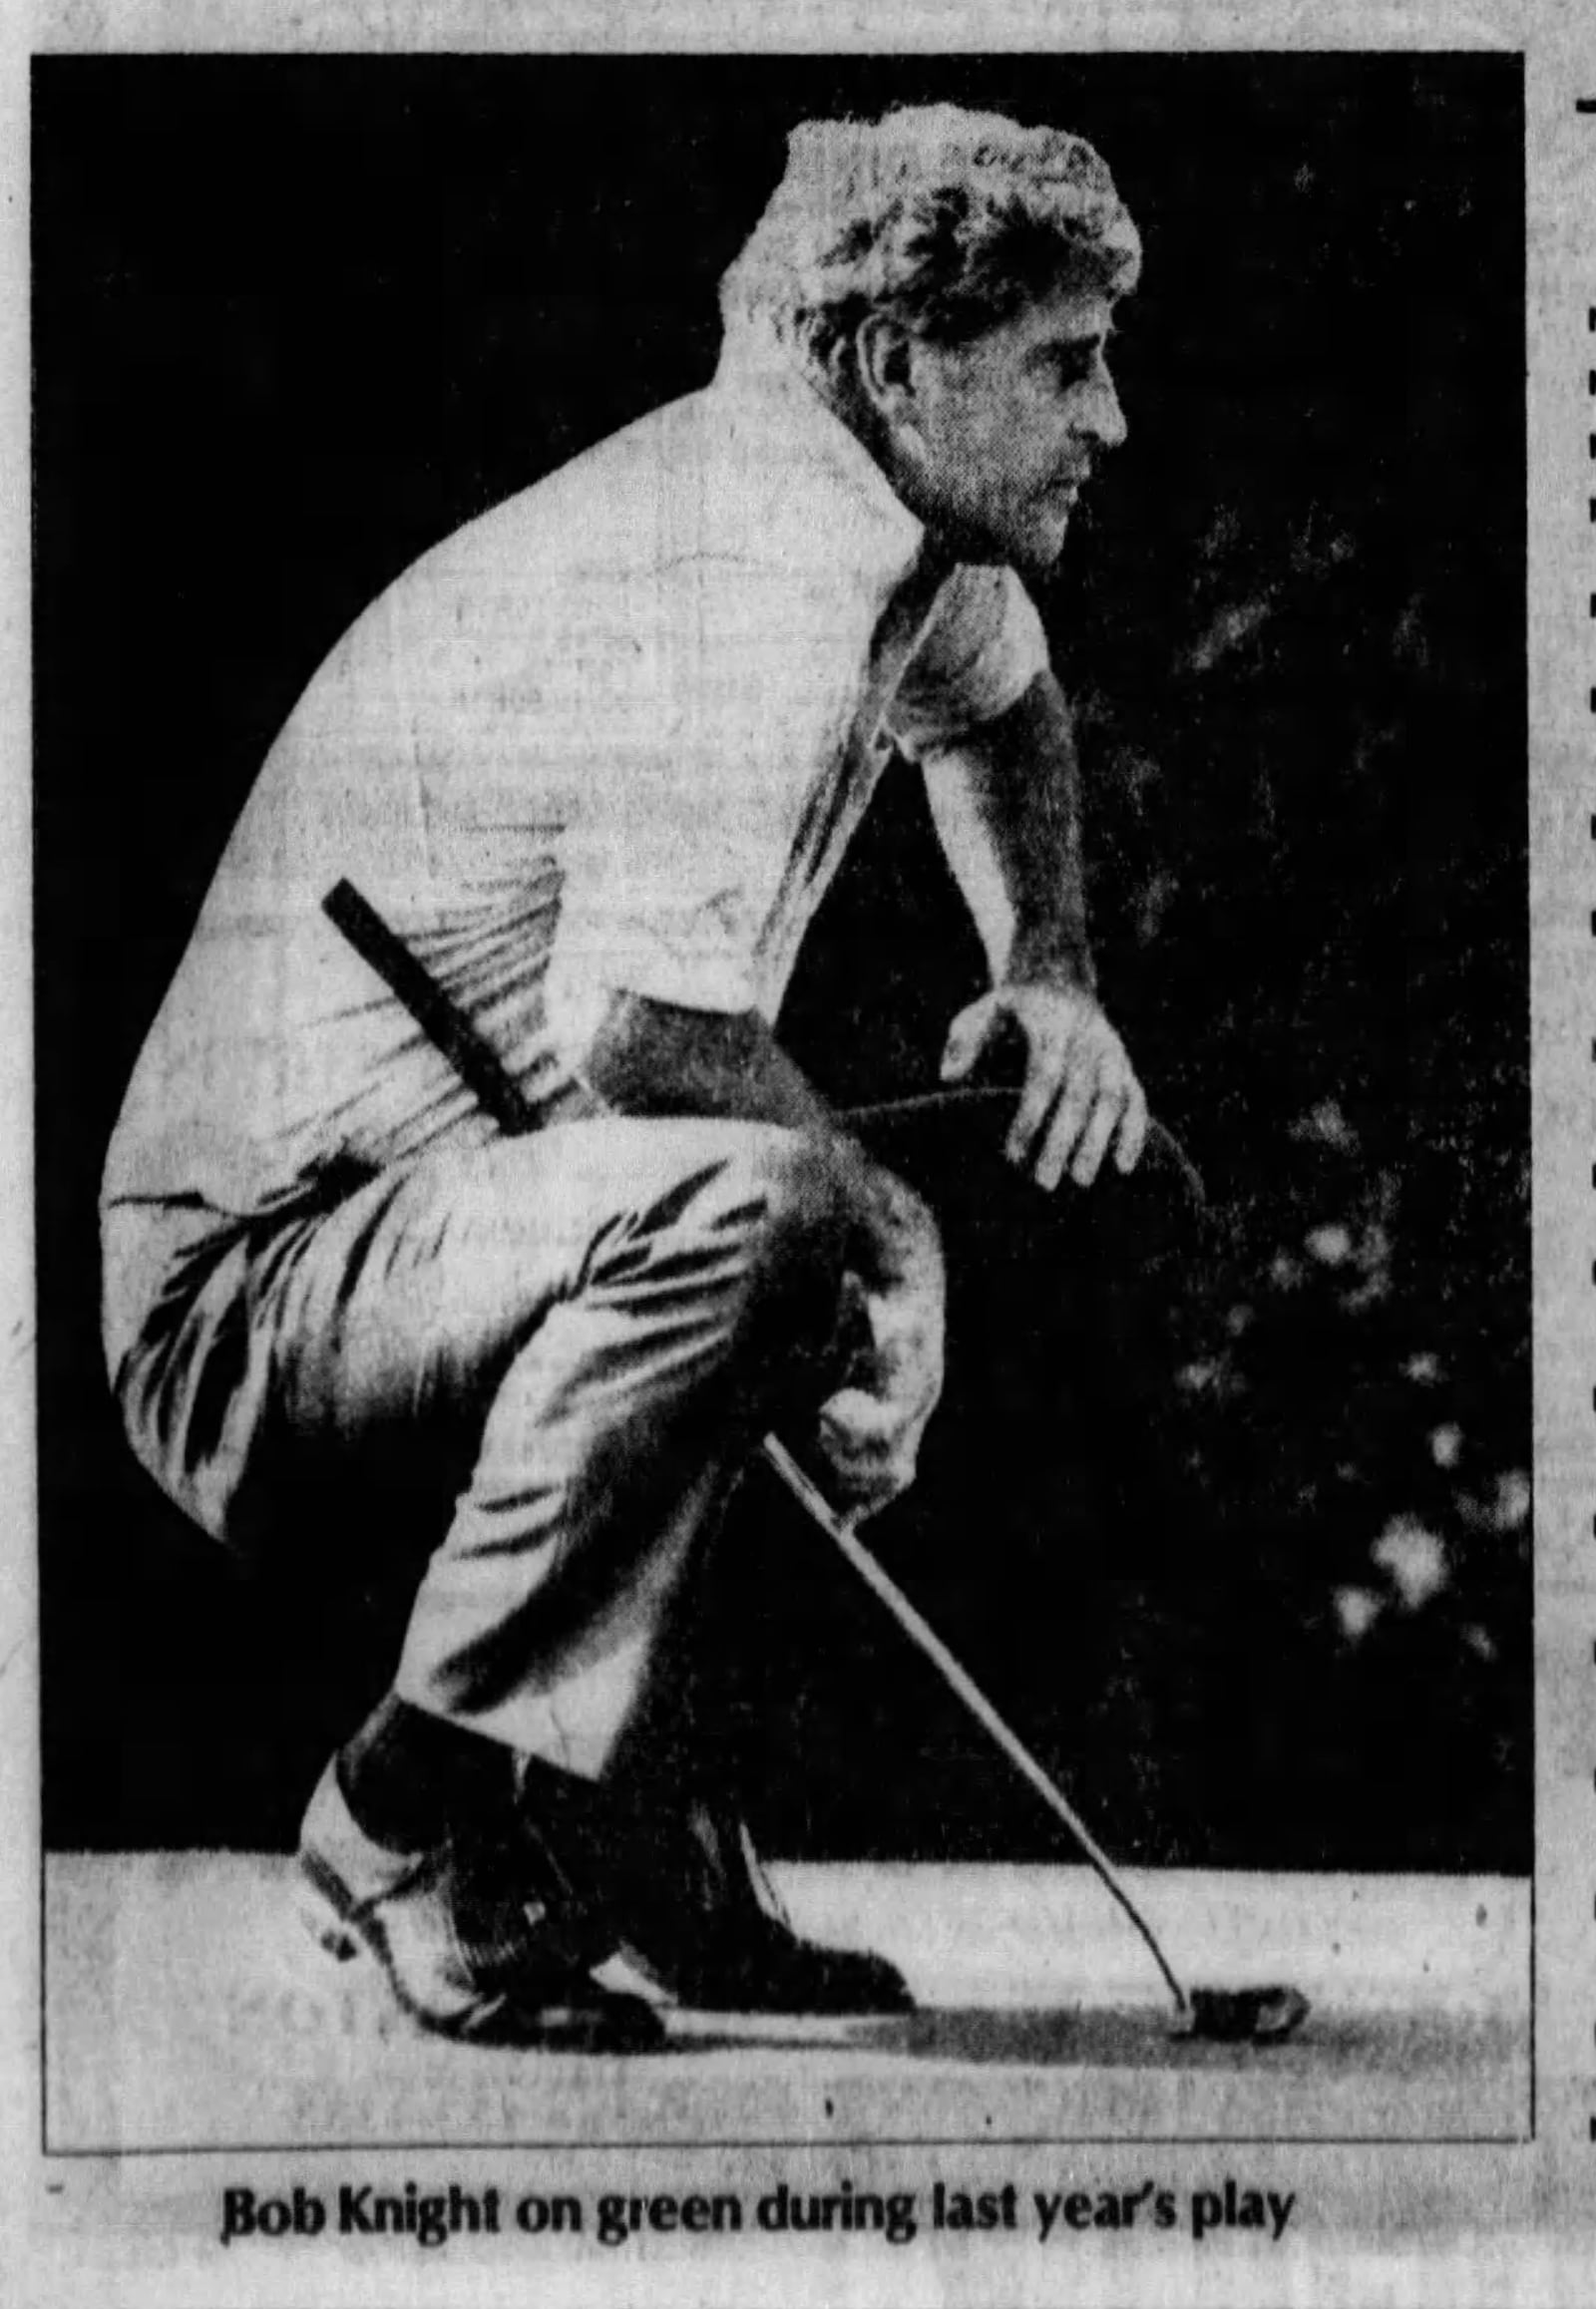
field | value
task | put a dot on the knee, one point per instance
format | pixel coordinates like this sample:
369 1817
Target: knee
786 1190
799 1179
795 1250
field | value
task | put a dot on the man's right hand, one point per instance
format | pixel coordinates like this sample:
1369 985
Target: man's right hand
652 1059
895 1295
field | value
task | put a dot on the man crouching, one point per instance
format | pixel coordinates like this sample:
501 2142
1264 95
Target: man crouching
594 760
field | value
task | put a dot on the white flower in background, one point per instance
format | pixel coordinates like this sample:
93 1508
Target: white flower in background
1414 1558
1502 1507
1356 1609
1234 624
1513 1500
1374 1249
1369 1293
1447 1445
1423 1368
1326 1126
1238 1319
1158 895
1330 1246
1371 1253
1284 1272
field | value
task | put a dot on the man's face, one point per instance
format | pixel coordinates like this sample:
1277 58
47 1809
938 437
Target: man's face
1007 430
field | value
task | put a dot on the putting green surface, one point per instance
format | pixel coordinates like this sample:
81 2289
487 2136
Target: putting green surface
183 2008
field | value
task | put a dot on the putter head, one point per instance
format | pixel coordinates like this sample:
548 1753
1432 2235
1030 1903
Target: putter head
1244 2016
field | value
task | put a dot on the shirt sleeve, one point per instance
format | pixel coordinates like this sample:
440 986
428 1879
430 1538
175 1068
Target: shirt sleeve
718 698
981 648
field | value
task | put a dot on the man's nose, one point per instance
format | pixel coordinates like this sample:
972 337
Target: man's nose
1104 419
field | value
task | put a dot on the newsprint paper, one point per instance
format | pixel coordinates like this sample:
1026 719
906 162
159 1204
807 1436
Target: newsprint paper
799 1153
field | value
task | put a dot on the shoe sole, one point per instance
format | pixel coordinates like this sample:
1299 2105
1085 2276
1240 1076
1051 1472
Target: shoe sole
627 2025
323 1909
694 2027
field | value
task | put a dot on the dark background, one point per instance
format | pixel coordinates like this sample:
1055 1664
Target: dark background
295 319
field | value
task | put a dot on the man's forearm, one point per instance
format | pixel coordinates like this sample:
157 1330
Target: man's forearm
656 1058
1006 806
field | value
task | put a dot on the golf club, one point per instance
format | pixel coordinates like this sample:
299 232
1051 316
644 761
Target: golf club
1257 2016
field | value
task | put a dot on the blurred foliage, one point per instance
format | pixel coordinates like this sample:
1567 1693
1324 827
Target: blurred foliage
1351 1416
1311 889
1299 687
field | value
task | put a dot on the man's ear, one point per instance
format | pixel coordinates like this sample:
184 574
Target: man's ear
884 354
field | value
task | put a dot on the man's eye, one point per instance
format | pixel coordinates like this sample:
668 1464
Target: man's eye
1075 368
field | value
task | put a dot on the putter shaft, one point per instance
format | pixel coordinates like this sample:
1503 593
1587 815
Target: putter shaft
479 1066
958 1680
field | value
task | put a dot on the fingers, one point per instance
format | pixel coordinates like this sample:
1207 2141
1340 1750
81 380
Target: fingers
1087 1159
1131 1136
1073 1118
857 1425
1081 1097
871 1450
969 1036
868 1431
1042 1076
1090 1100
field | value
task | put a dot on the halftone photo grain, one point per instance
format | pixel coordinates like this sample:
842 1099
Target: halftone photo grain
783 1100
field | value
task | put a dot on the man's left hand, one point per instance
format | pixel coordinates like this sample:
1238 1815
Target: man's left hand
1081 1097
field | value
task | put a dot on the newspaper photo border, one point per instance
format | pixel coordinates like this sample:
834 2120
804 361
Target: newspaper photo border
1447 2225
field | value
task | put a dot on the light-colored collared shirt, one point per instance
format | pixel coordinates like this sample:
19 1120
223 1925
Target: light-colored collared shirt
613 735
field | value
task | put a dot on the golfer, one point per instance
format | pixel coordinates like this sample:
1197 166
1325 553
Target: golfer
594 760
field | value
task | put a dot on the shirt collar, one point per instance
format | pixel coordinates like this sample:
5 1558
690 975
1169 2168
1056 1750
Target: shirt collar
828 497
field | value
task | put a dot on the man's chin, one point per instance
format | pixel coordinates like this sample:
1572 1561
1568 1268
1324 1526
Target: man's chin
1034 548
1037 554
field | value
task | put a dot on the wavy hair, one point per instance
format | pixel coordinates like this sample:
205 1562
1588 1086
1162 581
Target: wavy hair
949 220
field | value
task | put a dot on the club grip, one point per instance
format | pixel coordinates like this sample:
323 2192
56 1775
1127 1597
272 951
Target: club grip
445 1024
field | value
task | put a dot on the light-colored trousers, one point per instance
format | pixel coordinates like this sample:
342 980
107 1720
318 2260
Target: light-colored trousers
595 1322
